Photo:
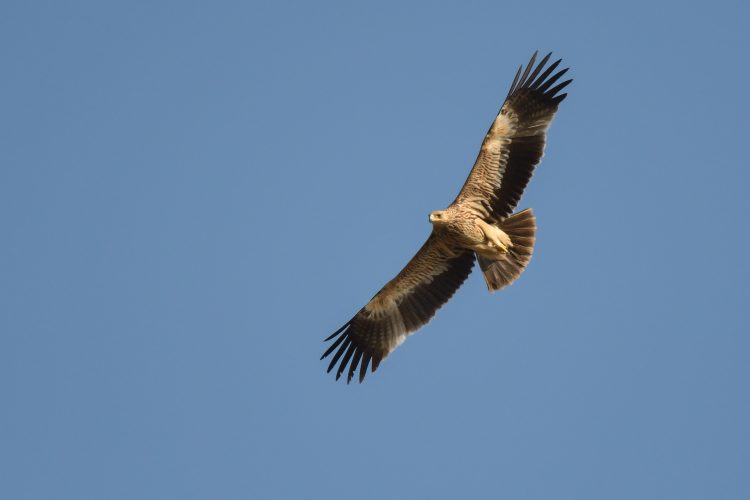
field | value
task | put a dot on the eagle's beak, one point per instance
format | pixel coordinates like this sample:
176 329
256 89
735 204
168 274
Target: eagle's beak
432 218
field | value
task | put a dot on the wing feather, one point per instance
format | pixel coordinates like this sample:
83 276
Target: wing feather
514 145
402 306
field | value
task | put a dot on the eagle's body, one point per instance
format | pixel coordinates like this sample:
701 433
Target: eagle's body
464 226
478 224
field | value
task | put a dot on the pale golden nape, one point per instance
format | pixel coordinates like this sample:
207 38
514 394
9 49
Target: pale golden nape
437 217
480 224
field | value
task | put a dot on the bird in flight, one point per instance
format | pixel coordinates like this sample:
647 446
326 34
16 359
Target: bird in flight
480 224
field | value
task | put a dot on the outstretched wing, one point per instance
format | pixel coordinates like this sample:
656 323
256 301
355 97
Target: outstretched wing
401 307
514 145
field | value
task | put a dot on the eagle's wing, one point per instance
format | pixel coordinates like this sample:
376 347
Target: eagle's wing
515 142
401 307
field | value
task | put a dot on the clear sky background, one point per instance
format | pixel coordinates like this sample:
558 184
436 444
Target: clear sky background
194 194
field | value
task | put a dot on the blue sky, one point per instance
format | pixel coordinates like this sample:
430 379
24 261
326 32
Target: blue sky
193 195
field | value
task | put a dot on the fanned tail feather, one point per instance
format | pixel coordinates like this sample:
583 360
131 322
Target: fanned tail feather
521 228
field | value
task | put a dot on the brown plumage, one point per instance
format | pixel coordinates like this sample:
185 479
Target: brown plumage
480 222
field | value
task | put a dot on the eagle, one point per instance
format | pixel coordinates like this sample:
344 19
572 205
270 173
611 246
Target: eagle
479 224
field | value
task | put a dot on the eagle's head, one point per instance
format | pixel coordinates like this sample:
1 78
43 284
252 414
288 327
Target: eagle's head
438 217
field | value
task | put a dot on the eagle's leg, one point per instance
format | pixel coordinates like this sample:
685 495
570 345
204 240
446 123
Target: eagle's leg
495 236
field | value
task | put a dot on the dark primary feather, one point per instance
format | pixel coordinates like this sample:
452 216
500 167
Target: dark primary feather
368 338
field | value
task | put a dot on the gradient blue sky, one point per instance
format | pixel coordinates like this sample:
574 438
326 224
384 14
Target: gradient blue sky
194 194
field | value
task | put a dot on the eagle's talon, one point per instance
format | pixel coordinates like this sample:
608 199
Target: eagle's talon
500 246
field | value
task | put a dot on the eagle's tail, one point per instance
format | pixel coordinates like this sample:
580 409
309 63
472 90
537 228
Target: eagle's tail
499 273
